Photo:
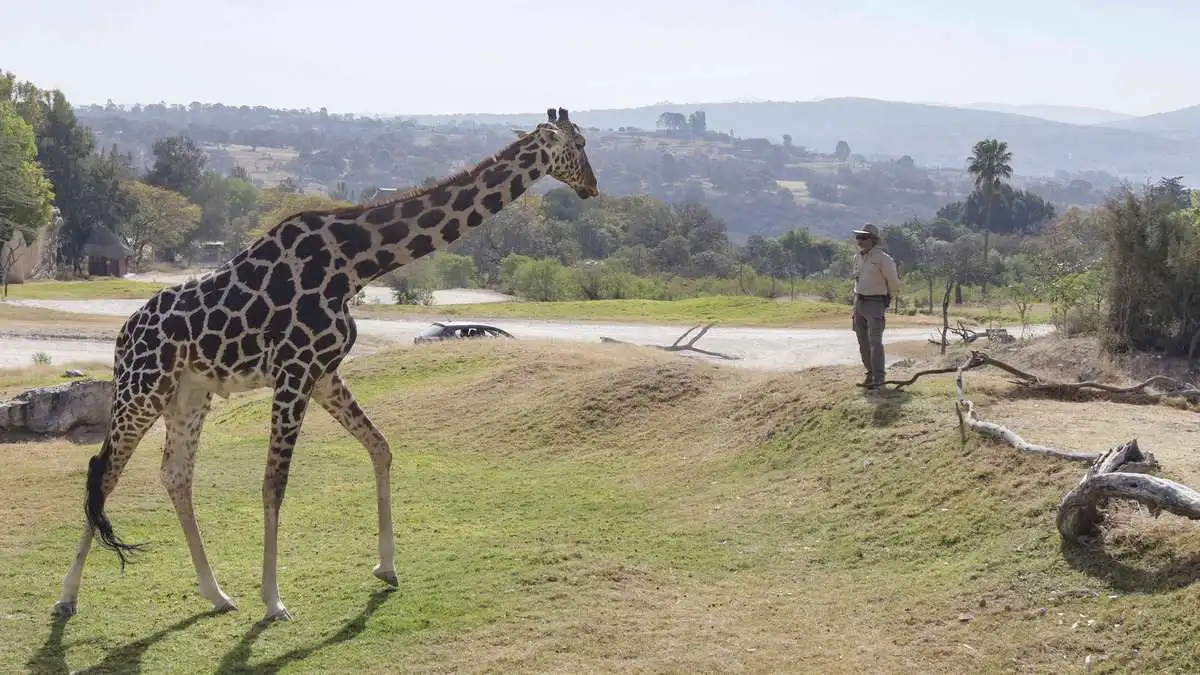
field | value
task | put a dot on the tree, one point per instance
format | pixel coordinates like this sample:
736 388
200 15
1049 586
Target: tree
990 165
162 219
842 152
26 195
178 165
672 121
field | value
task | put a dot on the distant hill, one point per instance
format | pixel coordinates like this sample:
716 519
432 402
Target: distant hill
933 135
1056 113
1182 124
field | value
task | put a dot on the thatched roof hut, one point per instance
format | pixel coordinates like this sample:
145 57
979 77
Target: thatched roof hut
107 254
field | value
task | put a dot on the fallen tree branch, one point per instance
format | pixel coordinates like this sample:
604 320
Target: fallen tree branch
1029 381
967 416
1120 474
689 346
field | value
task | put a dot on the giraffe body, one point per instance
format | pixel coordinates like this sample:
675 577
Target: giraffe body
277 315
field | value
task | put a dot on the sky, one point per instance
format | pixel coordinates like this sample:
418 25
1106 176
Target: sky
496 56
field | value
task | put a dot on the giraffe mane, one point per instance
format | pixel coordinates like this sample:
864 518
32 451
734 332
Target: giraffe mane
457 179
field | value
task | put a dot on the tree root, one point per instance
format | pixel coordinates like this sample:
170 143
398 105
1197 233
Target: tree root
689 346
1120 473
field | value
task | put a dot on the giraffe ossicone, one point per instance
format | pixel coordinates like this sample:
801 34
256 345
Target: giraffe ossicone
277 315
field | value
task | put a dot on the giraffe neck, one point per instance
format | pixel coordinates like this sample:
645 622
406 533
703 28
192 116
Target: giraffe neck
415 225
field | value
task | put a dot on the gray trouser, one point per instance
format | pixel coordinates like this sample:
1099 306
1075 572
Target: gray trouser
869 320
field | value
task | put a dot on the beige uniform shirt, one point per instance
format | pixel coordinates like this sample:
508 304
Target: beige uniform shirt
875 273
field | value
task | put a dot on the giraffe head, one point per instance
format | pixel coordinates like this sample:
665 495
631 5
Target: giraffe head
564 142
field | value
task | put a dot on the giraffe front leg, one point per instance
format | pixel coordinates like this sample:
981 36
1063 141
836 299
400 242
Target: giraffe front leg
287 415
337 399
185 419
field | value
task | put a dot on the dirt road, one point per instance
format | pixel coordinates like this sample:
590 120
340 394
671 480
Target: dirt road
759 348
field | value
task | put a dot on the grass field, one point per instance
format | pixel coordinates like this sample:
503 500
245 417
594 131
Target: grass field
83 290
726 310
574 508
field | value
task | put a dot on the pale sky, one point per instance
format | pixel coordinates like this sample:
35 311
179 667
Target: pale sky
422 57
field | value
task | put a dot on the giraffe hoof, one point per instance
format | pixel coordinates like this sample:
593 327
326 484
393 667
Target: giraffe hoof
280 614
62 610
223 607
386 576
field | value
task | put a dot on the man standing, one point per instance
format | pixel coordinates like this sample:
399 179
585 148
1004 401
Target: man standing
876 282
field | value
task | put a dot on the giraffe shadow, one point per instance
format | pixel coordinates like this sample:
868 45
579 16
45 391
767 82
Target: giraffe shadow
51 658
237 660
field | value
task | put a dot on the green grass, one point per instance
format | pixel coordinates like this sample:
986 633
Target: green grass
723 309
726 310
84 290
590 509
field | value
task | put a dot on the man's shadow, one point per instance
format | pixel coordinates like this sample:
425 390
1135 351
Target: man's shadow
888 404
51 659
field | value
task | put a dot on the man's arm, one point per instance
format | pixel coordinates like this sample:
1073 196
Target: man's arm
890 275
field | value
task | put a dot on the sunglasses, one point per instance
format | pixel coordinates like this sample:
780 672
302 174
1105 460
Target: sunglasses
862 237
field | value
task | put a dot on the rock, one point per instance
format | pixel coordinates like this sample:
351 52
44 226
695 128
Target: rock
73 373
74 408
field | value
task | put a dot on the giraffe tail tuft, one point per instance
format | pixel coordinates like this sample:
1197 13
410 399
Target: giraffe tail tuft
94 507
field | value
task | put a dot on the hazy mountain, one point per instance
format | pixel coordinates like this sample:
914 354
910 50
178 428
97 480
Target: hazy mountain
1183 124
933 135
1056 113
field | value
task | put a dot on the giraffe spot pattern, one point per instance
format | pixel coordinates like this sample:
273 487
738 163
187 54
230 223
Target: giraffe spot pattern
493 202
411 209
465 199
431 218
381 214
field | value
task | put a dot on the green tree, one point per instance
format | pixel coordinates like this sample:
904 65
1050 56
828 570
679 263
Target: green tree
454 270
26 195
162 219
178 165
990 165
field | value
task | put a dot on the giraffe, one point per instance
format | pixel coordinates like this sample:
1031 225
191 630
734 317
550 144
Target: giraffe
277 315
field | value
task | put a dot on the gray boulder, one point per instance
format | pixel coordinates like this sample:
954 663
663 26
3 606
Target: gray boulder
76 409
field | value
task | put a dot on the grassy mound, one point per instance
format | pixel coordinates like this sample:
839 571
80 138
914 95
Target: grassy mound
601 508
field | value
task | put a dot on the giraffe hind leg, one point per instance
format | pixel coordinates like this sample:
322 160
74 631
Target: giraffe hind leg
287 416
336 398
184 420
132 417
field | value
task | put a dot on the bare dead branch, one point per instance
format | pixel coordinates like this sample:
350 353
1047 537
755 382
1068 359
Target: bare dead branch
689 346
966 410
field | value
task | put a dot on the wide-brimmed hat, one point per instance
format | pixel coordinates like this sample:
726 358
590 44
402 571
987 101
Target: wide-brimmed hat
868 230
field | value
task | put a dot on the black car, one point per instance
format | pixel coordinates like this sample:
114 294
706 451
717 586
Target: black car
459 331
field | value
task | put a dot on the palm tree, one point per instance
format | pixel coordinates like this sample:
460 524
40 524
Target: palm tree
990 165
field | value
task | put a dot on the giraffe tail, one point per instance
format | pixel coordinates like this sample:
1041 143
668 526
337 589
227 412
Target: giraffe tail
94 506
